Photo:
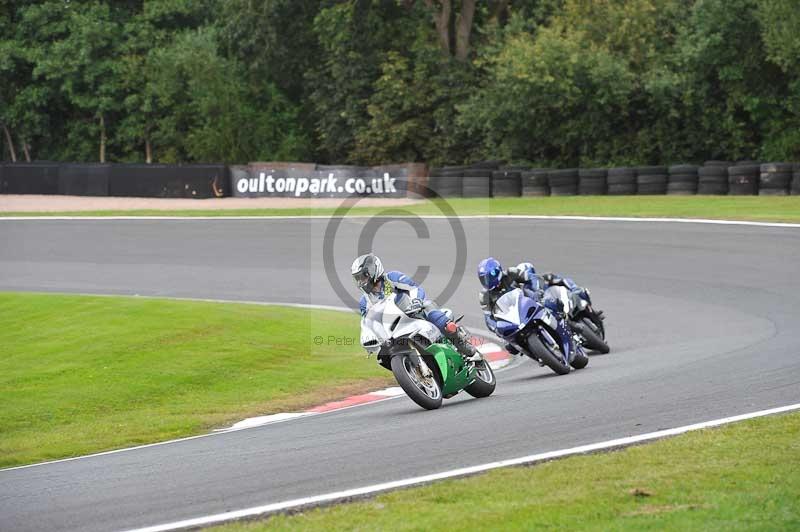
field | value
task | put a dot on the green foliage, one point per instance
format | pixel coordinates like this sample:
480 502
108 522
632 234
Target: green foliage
550 97
353 38
550 82
219 117
412 112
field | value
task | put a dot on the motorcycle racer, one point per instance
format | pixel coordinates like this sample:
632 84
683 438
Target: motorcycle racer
496 281
375 284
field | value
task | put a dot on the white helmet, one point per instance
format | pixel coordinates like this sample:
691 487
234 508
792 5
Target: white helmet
366 270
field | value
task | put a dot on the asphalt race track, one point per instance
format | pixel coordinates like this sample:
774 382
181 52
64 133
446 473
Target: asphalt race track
702 321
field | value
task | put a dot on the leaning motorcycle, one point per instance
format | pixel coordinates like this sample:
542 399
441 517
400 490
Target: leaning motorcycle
583 319
426 365
529 326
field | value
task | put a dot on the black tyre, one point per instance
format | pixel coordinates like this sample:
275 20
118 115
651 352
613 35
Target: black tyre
563 178
580 360
536 191
488 165
564 191
746 169
427 393
476 172
652 179
592 181
621 176
775 180
621 190
777 168
593 336
683 178
652 190
712 189
742 190
484 381
551 359
678 169
650 170
536 177
773 192
592 173
535 183
476 187
445 186
743 180
506 183
713 171
652 184
681 189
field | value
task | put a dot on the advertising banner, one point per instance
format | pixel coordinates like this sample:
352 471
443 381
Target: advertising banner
323 182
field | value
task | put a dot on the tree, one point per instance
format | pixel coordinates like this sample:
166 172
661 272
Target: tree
213 117
353 38
25 104
80 56
732 92
146 32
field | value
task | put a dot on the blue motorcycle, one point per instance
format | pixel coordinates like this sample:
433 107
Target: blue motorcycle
532 326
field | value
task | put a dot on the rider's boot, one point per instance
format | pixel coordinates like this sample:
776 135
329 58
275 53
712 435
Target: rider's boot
461 340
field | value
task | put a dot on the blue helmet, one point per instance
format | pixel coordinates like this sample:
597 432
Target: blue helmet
490 272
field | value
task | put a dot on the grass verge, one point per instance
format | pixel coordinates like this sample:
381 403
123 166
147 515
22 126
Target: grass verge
752 208
81 374
739 477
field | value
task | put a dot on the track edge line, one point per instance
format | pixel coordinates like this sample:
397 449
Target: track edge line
333 497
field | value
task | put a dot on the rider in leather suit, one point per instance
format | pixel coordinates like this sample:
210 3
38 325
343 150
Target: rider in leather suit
496 282
375 284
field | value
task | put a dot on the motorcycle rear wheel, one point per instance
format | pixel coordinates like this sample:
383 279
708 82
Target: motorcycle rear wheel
551 360
427 393
593 340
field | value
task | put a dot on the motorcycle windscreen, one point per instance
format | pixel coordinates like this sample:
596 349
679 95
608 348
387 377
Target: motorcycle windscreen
372 327
507 307
556 298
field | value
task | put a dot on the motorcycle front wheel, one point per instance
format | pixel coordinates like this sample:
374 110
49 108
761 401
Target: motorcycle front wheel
425 391
551 359
484 381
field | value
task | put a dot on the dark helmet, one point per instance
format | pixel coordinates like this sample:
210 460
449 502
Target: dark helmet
366 270
490 273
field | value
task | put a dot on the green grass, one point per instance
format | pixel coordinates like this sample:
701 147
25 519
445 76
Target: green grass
754 208
80 374
741 477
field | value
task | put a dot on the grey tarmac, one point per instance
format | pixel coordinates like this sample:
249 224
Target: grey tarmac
702 321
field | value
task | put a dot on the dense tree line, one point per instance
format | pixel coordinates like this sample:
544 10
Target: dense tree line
550 82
